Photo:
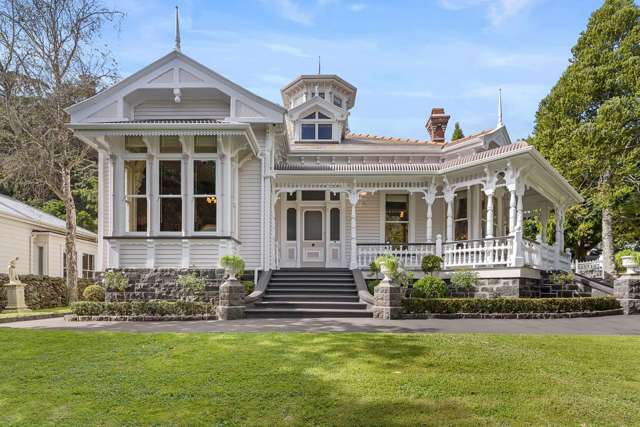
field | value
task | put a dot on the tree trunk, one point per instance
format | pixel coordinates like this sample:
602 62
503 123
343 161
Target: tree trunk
70 238
608 264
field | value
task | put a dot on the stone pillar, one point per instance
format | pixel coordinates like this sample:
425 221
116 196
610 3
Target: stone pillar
626 288
231 300
15 297
387 300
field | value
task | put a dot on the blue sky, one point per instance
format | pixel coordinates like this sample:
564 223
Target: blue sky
405 57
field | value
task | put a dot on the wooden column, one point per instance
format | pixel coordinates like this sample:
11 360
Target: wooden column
353 198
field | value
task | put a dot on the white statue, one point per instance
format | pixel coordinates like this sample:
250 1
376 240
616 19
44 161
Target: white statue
13 276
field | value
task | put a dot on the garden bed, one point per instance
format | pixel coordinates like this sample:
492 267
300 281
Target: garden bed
510 308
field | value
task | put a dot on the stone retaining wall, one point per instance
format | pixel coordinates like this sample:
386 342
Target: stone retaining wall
160 284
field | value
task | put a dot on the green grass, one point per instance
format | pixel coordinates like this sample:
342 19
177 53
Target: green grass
54 310
111 379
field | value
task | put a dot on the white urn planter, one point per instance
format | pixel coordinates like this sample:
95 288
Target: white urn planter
630 264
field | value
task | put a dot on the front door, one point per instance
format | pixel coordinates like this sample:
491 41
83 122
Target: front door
313 235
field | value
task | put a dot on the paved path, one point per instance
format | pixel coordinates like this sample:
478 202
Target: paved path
612 325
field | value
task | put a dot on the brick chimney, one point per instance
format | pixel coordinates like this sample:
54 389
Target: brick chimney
437 124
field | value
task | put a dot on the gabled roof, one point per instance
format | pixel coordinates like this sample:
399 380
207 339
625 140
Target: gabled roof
24 213
158 63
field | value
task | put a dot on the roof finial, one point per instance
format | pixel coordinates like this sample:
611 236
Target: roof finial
500 123
177 30
319 65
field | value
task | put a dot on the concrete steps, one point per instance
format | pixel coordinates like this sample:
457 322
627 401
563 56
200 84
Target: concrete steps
309 292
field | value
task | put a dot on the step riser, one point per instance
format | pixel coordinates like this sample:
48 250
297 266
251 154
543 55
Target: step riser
310 280
309 286
314 305
318 298
292 314
300 291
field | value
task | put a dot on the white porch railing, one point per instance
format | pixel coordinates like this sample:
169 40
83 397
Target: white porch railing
479 253
409 254
589 268
493 252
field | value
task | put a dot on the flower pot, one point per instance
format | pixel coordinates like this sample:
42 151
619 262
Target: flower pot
630 264
386 272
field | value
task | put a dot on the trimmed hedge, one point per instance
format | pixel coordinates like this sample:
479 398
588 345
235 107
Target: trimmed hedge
509 305
42 291
142 308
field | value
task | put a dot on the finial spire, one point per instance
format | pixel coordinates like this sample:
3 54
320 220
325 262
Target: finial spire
500 122
177 30
319 65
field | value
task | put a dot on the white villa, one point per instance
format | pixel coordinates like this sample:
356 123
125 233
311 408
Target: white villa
193 166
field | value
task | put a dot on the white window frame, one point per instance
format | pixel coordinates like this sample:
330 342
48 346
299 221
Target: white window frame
192 196
467 197
315 122
383 215
158 197
125 197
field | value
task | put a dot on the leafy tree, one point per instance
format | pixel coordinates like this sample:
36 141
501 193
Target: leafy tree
457 132
48 61
589 124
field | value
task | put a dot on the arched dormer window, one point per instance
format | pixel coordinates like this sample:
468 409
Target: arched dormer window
316 126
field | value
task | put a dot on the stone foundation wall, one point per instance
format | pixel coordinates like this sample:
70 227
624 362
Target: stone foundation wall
160 284
522 287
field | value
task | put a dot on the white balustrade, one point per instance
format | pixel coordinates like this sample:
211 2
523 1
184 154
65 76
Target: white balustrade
589 268
478 253
409 255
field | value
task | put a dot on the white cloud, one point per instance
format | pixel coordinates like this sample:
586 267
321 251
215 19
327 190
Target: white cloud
357 7
498 11
290 10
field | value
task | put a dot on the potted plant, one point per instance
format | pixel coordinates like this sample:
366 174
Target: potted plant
233 266
388 264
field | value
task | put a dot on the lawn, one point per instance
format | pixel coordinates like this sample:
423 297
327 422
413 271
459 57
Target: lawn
113 379
54 310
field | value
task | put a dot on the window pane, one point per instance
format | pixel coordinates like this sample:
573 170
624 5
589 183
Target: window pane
308 131
461 205
396 232
309 117
204 215
170 144
334 218
461 231
313 225
135 177
321 95
136 211
337 101
313 195
291 225
334 196
171 214
323 116
134 144
292 196
324 131
204 177
205 144
170 177
397 207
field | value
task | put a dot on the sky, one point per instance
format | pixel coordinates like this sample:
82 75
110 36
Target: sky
405 57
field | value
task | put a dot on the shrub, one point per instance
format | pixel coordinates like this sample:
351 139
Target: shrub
389 261
509 305
371 284
39 291
93 293
431 263
429 287
191 282
562 279
142 308
249 286
625 252
232 264
374 267
115 281
464 280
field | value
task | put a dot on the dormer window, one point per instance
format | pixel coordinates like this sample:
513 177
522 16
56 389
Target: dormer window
320 94
316 126
337 101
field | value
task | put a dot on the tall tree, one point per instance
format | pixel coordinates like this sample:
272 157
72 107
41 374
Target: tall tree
48 61
589 125
457 132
